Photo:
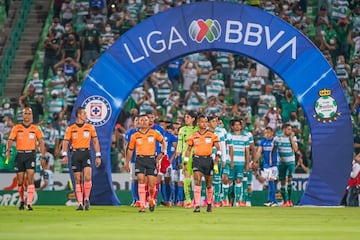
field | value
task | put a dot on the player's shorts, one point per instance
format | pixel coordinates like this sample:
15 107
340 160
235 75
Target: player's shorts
286 169
133 176
168 172
175 175
80 159
25 160
203 164
237 172
271 173
146 165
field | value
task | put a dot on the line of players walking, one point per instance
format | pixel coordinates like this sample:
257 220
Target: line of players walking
203 164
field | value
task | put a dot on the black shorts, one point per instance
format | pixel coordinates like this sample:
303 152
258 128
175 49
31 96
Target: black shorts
25 161
203 164
146 165
80 159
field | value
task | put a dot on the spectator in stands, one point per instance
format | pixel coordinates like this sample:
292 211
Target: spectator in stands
174 73
56 104
51 53
205 67
162 85
89 43
266 101
69 33
59 81
288 104
57 7
194 98
125 22
97 18
38 84
70 67
190 73
343 30
70 96
35 102
238 81
255 87
299 19
57 27
7 110
67 11
107 38
146 104
71 48
82 9
215 82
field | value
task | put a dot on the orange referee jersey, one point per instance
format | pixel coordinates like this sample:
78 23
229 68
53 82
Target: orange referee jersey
80 135
145 143
203 143
25 136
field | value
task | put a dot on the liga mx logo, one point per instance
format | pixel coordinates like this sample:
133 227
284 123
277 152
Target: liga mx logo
98 110
209 29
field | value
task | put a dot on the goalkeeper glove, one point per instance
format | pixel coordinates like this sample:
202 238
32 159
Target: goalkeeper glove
7 161
216 169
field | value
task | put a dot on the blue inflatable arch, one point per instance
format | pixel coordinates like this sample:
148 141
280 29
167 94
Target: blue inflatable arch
237 28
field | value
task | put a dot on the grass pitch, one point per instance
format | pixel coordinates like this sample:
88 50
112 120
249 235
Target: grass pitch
108 222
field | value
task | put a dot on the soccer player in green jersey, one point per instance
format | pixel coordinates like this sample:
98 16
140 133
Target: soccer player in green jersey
185 176
287 147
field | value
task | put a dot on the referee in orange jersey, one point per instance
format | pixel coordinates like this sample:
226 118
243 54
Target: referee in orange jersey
80 134
144 140
26 134
203 142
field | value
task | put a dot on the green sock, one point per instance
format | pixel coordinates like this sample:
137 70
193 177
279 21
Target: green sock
187 186
238 191
284 193
225 192
217 191
249 195
289 190
244 191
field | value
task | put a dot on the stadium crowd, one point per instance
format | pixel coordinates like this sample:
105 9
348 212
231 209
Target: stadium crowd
225 85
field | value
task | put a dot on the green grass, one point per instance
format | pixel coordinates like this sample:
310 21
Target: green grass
105 222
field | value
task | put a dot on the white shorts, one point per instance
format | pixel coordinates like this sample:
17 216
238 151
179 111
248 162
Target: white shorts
175 175
271 173
133 177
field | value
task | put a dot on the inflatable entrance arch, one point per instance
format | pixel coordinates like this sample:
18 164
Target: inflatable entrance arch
237 28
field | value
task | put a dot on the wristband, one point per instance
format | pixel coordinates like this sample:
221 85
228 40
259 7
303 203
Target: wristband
218 153
64 154
186 159
43 158
98 154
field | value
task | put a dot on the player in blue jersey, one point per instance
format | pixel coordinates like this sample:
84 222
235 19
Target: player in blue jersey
171 175
269 165
133 178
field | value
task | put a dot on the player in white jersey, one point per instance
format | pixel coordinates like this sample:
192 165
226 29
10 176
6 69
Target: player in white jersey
239 149
286 146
